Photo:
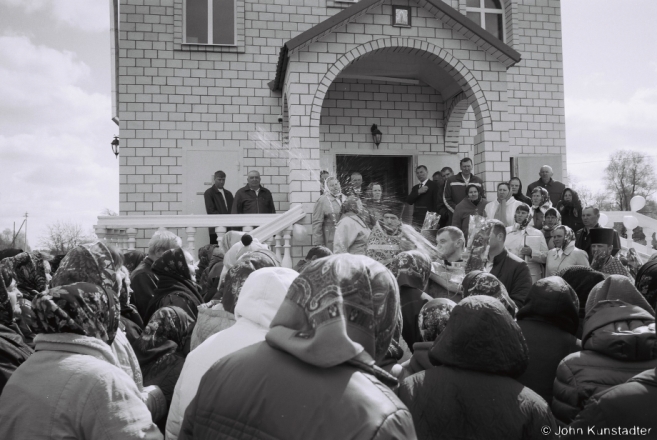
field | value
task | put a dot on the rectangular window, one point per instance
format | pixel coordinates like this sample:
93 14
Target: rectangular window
210 22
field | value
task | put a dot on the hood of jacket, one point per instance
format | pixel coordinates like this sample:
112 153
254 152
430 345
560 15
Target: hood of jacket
553 301
263 293
617 287
481 336
74 343
620 330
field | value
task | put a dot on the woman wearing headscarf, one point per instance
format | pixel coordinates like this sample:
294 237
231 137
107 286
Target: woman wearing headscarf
131 322
131 259
260 298
564 254
237 275
412 270
431 322
204 256
517 240
582 279
570 208
549 321
618 342
473 393
504 208
72 386
375 204
244 244
351 232
551 221
516 190
484 283
216 264
175 286
540 204
646 282
327 213
317 367
473 204
13 350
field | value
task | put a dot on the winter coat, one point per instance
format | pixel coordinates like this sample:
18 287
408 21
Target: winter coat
326 214
455 190
549 321
571 256
463 211
72 387
246 201
514 274
257 304
143 283
351 236
628 405
618 343
515 241
511 206
420 360
411 301
13 352
473 394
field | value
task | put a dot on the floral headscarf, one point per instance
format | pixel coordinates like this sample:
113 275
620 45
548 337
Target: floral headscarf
132 259
237 275
341 308
29 270
568 238
90 264
433 318
412 269
204 256
169 330
522 226
555 213
80 308
173 264
646 282
6 309
545 197
484 283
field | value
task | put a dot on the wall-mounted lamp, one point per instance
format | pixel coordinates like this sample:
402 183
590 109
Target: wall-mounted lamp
376 135
115 146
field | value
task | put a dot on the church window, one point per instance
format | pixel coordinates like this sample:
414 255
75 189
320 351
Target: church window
488 14
210 22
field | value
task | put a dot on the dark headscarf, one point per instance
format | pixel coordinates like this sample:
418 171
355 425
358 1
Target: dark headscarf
6 309
646 282
30 272
342 308
552 300
433 318
204 257
237 275
484 283
467 191
6 253
519 196
574 207
131 259
412 269
80 308
168 331
174 278
582 279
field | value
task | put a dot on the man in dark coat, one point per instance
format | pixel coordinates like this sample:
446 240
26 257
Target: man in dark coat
439 202
422 196
553 187
253 198
455 186
590 218
142 280
218 200
512 271
355 185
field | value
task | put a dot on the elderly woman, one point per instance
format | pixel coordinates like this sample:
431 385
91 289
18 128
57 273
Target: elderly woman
336 322
351 233
504 208
237 275
473 204
540 204
552 220
326 213
564 254
73 386
646 282
484 283
517 238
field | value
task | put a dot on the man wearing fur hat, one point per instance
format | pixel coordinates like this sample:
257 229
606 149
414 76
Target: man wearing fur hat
602 245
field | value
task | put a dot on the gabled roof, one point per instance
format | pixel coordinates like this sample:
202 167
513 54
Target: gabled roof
442 10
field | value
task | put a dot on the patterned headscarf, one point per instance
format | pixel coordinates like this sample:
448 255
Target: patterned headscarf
80 308
350 205
29 270
132 259
339 308
433 318
6 309
168 330
522 226
484 283
173 264
237 275
204 256
568 238
412 269
646 282
89 264
545 197
554 212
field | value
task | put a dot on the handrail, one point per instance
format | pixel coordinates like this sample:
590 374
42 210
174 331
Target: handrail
184 221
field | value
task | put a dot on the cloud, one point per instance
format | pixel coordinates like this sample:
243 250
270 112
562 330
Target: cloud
54 138
86 15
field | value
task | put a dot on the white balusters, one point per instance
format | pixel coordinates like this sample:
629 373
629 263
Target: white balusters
132 238
191 232
220 231
247 229
287 256
101 233
278 237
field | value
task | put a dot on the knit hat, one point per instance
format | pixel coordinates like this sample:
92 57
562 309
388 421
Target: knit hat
602 236
617 287
582 279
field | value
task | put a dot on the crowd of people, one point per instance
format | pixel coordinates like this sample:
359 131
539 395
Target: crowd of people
383 330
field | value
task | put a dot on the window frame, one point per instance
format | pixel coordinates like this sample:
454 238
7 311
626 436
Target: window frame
482 11
393 17
210 26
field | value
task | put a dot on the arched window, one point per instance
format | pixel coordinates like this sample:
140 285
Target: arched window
488 14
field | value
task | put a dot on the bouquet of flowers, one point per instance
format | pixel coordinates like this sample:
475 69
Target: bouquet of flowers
479 247
476 223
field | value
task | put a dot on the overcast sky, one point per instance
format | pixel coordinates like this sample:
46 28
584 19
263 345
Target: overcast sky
55 107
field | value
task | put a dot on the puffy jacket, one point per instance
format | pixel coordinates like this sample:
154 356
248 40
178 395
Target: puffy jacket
619 342
72 387
259 300
474 394
629 405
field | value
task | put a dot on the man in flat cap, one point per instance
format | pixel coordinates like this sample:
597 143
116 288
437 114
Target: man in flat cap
602 245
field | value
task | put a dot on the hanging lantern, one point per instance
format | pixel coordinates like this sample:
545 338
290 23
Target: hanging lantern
115 146
376 135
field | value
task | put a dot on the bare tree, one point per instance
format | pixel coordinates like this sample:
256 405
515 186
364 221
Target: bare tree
629 174
62 236
109 212
587 197
7 240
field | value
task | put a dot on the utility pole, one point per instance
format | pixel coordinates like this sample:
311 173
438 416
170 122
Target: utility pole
26 247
